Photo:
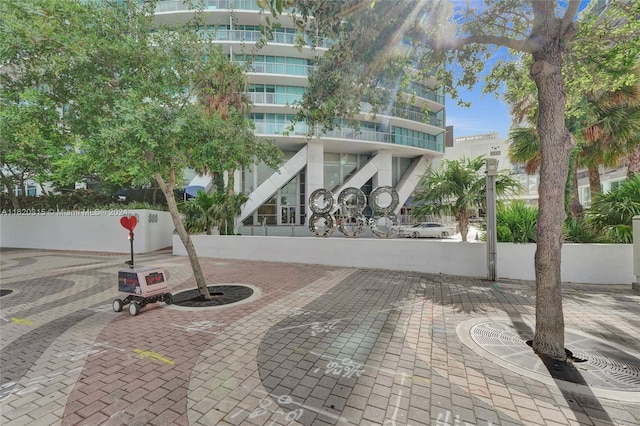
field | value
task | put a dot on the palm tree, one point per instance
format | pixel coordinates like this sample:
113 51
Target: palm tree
231 206
222 92
524 148
201 213
613 212
458 188
613 130
606 128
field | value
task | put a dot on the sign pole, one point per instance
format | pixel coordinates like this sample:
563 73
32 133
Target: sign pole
492 237
129 223
131 241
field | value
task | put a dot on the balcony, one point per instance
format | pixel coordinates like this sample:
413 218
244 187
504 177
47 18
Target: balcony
254 36
273 98
280 68
179 5
301 129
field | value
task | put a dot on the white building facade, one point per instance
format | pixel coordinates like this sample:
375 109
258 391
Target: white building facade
491 145
394 148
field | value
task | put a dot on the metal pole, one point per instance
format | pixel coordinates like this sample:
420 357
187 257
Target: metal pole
131 241
492 237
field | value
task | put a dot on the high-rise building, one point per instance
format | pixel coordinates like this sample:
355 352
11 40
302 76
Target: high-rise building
393 148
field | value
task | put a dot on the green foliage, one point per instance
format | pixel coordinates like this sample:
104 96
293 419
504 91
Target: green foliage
612 212
201 212
78 200
30 139
516 222
577 230
74 200
136 205
205 211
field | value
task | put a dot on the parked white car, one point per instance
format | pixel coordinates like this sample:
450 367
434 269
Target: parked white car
427 230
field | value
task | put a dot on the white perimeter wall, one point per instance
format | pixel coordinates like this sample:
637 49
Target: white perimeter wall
89 230
581 263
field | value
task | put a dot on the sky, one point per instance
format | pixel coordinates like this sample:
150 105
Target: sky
486 114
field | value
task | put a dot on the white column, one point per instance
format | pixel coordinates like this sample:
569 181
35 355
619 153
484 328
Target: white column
315 171
384 175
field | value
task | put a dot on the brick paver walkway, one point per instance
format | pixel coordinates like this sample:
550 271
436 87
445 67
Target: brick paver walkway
318 345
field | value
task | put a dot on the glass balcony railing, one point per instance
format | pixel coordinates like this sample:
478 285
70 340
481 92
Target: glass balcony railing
301 129
178 5
254 36
274 98
416 116
280 68
426 93
407 114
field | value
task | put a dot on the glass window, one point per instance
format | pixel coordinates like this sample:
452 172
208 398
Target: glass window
349 163
247 179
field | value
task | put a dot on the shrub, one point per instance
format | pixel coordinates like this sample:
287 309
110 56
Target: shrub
516 223
612 212
581 231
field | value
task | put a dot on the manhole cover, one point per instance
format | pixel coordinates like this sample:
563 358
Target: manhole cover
220 295
604 366
5 292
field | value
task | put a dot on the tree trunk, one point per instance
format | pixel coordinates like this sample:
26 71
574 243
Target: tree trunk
154 194
463 223
231 214
555 147
594 180
633 161
12 196
167 190
575 208
23 196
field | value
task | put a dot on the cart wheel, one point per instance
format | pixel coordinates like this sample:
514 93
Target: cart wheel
117 305
168 298
134 308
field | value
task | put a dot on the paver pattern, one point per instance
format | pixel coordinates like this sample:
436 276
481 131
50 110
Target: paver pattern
318 345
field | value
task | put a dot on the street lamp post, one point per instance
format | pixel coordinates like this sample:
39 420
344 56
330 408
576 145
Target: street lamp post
492 237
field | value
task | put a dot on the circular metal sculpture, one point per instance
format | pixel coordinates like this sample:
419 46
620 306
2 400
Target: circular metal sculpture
352 200
314 200
351 203
350 219
352 226
316 227
384 226
376 193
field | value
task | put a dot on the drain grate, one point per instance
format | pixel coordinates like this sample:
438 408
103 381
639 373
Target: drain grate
220 295
604 366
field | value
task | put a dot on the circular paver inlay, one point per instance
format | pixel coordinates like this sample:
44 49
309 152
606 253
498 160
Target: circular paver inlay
605 368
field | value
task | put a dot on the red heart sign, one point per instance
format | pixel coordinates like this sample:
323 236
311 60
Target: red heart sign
128 222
